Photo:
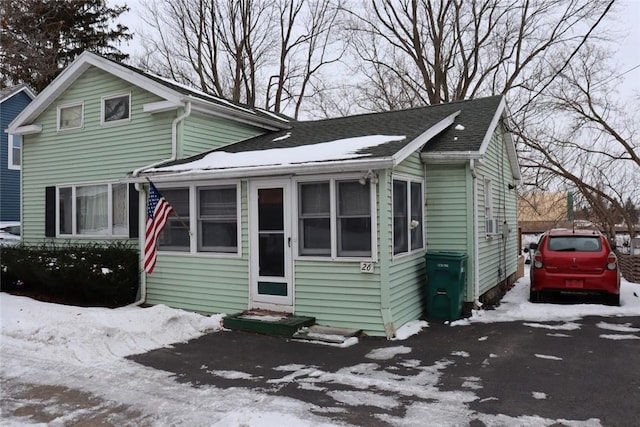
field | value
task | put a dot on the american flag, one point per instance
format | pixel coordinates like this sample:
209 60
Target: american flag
158 211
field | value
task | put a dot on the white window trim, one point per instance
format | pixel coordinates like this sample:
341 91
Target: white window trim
10 160
74 224
409 180
70 105
102 109
334 220
193 218
488 207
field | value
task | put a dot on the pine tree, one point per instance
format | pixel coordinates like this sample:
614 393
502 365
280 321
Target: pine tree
38 38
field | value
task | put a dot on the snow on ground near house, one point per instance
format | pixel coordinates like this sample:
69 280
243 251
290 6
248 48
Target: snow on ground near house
83 349
516 306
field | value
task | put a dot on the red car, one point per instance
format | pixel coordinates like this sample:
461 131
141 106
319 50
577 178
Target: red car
575 262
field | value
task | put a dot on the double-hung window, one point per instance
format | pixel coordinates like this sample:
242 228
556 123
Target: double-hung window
218 219
14 150
335 218
93 210
407 216
175 235
211 211
314 213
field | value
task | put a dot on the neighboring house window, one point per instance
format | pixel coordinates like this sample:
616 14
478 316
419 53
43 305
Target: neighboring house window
345 218
14 150
175 236
490 223
70 116
216 219
407 216
93 210
116 108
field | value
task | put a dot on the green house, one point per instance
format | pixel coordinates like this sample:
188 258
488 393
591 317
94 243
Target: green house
330 218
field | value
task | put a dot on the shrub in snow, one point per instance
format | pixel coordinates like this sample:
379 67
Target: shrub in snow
90 274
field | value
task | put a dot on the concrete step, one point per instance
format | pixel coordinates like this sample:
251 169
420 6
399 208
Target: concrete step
327 334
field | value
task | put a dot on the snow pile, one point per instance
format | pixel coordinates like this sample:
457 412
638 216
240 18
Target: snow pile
515 306
95 334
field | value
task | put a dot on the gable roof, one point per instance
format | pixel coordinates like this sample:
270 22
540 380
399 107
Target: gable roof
12 91
366 141
469 137
174 94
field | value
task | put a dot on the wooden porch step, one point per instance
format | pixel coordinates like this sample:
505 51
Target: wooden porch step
326 334
267 322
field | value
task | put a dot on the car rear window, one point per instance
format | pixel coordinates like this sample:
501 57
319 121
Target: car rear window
575 243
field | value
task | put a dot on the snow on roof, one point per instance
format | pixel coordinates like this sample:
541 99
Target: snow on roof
340 149
201 93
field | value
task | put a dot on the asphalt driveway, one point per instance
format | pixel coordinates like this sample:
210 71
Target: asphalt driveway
587 371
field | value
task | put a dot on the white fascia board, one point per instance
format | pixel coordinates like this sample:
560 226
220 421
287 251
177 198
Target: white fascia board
50 93
513 157
236 115
492 126
88 59
423 138
160 107
274 170
445 157
24 130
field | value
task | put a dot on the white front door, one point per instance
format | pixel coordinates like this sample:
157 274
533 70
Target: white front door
270 245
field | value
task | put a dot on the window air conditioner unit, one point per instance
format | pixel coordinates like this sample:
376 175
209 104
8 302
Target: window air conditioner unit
491 226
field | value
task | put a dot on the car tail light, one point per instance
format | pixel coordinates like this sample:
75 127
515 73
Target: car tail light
612 261
537 259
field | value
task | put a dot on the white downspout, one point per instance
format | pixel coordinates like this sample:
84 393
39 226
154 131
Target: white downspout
476 245
142 204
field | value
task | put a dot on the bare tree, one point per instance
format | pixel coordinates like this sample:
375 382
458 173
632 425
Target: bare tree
446 50
578 134
245 50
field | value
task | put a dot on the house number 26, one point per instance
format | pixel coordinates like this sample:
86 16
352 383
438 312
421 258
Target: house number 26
366 267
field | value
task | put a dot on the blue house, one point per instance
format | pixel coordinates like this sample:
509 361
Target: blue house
12 101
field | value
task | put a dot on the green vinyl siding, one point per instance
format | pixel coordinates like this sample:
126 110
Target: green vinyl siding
338 294
204 283
497 255
406 275
94 153
212 285
449 208
203 133
408 279
412 165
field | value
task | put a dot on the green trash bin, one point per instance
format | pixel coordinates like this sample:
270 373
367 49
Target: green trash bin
445 287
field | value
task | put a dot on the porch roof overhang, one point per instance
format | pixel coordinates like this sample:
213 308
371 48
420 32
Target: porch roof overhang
347 154
450 157
269 170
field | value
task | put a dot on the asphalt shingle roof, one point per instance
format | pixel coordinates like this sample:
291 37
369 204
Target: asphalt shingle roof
185 90
475 116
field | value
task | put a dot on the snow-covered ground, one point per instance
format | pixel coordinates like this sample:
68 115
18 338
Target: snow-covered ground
48 350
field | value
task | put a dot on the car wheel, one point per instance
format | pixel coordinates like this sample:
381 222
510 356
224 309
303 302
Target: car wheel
612 299
534 296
